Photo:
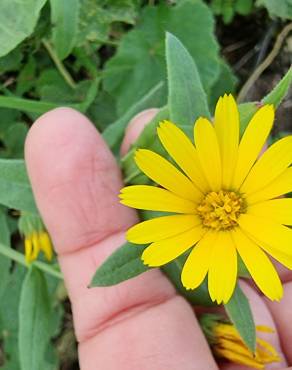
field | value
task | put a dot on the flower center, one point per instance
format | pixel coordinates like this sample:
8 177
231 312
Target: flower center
220 210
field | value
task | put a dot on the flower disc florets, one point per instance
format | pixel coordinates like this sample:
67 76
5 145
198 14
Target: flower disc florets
220 210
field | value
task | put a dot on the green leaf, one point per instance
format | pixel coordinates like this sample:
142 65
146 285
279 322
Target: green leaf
239 312
187 99
275 97
9 318
139 63
279 92
96 18
125 263
276 8
65 18
15 189
199 296
225 83
5 263
34 321
113 134
17 20
14 139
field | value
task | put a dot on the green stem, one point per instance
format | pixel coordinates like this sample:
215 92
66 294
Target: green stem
19 258
26 105
60 66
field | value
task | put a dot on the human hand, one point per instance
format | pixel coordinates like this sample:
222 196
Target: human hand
141 324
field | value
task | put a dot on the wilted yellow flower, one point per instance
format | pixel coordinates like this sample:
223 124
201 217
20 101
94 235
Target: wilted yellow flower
35 243
223 200
227 344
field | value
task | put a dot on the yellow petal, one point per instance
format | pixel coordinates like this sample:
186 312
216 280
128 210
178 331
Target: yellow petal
35 245
252 142
155 199
223 268
166 175
278 210
28 250
283 258
182 150
280 186
208 152
239 358
161 228
272 164
277 236
258 264
164 251
227 131
197 264
46 245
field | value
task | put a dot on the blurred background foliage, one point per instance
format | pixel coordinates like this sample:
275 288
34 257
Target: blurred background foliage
106 58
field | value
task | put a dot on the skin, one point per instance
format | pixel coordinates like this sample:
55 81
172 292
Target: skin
142 323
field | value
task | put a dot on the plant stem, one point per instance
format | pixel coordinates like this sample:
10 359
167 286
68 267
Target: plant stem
19 258
265 64
60 66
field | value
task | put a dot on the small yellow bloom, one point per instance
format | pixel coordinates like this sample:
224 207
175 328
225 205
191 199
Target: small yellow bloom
35 243
228 345
223 197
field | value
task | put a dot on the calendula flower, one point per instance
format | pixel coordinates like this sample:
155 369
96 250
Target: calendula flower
223 199
229 346
36 238
35 243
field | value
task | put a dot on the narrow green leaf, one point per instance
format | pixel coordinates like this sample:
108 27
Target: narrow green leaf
187 99
246 111
34 321
65 19
5 263
15 189
279 92
239 312
275 97
26 105
199 296
113 134
125 263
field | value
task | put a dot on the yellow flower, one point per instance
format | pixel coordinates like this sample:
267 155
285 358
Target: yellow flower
228 345
223 200
36 242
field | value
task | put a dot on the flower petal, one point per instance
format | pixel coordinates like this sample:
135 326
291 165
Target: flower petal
165 174
154 199
252 142
277 236
182 150
208 152
280 186
279 210
161 228
223 268
164 251
197 264
284 259
258 264
227 131
272 164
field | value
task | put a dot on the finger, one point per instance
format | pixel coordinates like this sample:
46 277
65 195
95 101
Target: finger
136 324
262 316
135 128
281 312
